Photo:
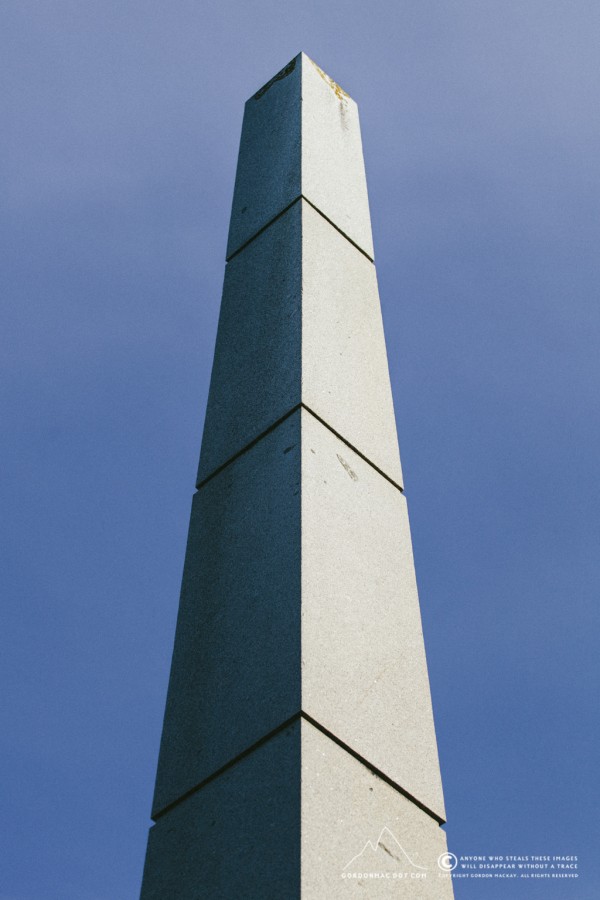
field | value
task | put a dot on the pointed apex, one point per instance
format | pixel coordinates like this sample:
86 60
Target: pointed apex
300 60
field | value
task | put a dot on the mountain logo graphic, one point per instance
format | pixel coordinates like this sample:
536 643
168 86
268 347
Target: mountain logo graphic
389 844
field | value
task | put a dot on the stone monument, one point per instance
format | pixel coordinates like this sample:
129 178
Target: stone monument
298 756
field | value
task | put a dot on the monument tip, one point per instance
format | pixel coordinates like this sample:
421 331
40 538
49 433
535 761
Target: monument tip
301 59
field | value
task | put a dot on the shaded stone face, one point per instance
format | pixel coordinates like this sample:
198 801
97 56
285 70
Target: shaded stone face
237 837
235 674
257 369
298 741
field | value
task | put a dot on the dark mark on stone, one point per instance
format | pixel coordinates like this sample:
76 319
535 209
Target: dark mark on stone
389 852
350 471
283 74
287 449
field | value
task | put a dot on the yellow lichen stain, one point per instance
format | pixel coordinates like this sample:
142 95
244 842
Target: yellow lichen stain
339 92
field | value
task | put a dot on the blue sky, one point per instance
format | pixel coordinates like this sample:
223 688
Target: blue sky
481 134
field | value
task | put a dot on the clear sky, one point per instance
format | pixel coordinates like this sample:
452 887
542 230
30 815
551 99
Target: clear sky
120 129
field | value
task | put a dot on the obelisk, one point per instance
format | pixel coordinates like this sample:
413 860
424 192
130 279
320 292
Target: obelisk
298 757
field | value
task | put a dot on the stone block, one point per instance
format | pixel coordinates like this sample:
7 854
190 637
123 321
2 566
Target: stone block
299 593
300 135
300 322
